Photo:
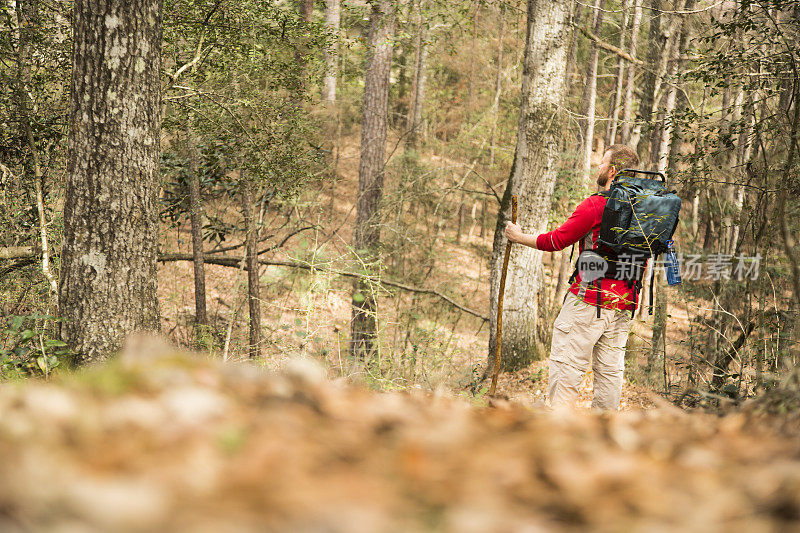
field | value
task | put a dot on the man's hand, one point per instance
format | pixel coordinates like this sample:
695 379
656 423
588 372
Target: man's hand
514 234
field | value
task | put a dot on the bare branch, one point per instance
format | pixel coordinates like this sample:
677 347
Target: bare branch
236 263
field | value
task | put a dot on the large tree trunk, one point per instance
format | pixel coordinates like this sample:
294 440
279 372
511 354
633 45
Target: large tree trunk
415 119
532 178
627 104
253 278
332 20
590 97
366 234
108 269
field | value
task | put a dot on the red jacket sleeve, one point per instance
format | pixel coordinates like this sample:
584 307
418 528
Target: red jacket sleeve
579 223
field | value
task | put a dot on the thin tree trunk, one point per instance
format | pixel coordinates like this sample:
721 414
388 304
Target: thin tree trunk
572 54
788 239
564 271
332 21
196 218
657 44
745 149
497 85
28 22
476 6
306 12
611 129
627 105
661 142
253 281
415 122
366 235
108 286
532 178
590 96
658 350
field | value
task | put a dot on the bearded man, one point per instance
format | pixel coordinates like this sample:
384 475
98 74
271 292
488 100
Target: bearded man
591 330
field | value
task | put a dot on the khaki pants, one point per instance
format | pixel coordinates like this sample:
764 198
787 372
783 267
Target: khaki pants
581 340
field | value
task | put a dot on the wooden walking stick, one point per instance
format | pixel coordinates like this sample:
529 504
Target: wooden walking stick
497 335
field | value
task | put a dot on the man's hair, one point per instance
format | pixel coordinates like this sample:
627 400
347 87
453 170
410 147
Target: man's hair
623 156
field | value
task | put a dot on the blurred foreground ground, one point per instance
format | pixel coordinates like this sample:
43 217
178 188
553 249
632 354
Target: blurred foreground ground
173 443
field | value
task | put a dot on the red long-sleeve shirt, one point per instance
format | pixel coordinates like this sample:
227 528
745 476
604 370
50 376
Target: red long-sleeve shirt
616 294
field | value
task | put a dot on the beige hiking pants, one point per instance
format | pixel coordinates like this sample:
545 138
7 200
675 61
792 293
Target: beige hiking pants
581 340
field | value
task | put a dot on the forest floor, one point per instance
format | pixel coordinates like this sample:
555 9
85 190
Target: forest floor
159 441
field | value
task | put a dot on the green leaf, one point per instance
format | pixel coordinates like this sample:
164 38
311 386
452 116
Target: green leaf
51 343
298 321
26 335
16 323
358 297
42 363
301 334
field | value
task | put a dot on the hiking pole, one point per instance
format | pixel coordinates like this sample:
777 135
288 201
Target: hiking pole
493 388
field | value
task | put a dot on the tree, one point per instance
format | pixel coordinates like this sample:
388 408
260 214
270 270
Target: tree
108 272
627 103
366 235
332 20
532 177
613 123
253 277
195 217
590 96
415 118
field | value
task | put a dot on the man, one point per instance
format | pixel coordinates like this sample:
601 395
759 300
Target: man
584 336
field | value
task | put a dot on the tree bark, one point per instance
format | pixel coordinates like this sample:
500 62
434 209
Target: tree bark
253 278
306 8
415 119
657 44
28 22
613 123
332 22
196 219
497 84
108 286
572 54
590 96
627 105
532 178
366 235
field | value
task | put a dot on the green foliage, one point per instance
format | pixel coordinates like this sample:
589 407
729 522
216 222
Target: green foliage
27 348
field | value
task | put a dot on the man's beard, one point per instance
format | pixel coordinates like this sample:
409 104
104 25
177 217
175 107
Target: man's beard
602 179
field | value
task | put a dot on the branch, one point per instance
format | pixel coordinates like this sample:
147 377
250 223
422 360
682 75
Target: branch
236 262
610 47
17 252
